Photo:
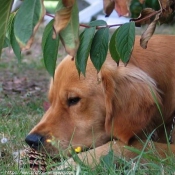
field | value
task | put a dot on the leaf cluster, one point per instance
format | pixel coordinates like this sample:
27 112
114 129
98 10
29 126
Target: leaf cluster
18 29
136 7
95 42
152 17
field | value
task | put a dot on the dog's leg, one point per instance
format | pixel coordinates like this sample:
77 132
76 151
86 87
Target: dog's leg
92 157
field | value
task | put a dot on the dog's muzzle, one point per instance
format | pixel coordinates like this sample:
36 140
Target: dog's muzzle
34 141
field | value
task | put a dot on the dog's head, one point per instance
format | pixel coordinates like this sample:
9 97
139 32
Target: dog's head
77 113
88 111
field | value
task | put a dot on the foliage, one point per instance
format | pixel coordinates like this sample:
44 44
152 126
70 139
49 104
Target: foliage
18 30
50 48
136 7
4 11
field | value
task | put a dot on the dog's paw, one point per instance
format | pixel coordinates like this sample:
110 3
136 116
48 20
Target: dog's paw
68 164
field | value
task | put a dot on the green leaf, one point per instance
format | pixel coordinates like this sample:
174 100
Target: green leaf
99 48
5 7
6 43
113 49
47 30
125 38
50 48
13 41
70 35
10 23
83 51
97 23
108 160
27 17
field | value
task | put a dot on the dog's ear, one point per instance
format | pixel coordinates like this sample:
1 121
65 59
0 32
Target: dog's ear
130 96
109 85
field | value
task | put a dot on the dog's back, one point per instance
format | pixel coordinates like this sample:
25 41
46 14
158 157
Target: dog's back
158 61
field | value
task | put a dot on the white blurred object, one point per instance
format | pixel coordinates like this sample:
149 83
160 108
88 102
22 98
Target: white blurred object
87 10
113 18
4 140
16 5
94 7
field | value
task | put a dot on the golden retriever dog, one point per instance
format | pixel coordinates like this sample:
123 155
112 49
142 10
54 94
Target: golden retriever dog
121 103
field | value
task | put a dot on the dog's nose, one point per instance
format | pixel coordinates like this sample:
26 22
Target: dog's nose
34 140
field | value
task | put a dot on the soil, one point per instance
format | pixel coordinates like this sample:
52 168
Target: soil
21 80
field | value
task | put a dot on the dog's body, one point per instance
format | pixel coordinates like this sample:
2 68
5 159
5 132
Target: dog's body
120 102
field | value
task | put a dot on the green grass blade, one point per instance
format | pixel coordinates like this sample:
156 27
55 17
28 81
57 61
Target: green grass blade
160 111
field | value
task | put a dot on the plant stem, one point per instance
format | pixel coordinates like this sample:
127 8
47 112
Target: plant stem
87 26
114 25
48 14
147 17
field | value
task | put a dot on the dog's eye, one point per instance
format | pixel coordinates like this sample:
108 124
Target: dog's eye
73 101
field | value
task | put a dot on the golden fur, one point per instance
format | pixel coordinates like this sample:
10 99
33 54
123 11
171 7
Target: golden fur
119 102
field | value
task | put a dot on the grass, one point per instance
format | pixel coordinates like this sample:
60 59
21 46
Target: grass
19 112
17 117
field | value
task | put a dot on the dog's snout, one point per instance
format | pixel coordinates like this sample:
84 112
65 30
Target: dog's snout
34 140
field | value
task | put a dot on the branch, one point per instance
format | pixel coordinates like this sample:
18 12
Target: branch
115 25
147 17
48 14
87 26
99 27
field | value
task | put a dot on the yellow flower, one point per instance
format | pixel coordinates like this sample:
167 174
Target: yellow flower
48 140
78 149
